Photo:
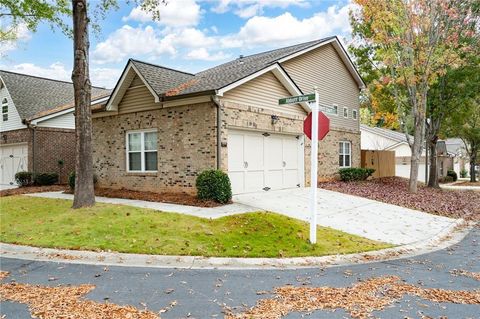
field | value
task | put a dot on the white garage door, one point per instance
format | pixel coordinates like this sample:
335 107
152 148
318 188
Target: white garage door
13 159
265 161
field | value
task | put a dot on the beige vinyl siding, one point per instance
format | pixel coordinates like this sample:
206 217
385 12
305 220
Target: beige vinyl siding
62 121
137 98
324 68
263 92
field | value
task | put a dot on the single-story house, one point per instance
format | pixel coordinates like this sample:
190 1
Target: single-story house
37 128
377 138
161 127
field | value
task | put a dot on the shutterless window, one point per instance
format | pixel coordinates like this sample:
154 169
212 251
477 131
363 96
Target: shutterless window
345 112
354 114
142 151
345 154
5 110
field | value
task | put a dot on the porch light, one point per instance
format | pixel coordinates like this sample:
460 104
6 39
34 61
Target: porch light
275 119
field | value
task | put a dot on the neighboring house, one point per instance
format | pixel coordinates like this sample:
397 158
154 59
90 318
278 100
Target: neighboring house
377 138
162 127
37 128
456 148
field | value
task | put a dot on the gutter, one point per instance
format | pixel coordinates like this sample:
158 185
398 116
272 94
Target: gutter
33 127
219 106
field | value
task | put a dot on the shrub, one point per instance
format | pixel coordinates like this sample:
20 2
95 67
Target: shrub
452 174
463 173
45 178
446 179
24 178
71 180
355 174
214 185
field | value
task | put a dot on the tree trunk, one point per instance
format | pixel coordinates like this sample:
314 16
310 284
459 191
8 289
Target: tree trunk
473 161
84 193
416 148
433 173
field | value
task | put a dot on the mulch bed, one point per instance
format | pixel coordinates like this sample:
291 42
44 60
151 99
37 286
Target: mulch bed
32 189
173 198
394 190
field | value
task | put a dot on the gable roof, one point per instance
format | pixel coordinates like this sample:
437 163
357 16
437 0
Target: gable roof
34 95
398 137
168 83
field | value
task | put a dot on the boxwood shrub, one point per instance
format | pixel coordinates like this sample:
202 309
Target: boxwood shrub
24 178
452 174
45 178
355 174
214 185
71 180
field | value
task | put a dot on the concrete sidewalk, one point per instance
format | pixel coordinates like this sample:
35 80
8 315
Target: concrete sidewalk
355 215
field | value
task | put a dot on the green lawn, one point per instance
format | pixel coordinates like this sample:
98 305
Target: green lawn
52 223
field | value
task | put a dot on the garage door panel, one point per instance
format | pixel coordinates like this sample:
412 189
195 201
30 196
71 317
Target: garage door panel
290 153
291 178
274 152
13 159
253 152
237 180
274 179
235 152
254 181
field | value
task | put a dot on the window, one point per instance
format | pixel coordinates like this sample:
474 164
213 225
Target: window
142 151
354 114
5 110
345 112
329 109
345 154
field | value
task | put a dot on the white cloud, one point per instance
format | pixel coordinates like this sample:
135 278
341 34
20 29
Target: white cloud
249 8
286 29
128 41
104 77
175 14
204 55
22 35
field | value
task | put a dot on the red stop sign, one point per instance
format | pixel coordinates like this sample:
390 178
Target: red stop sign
323 125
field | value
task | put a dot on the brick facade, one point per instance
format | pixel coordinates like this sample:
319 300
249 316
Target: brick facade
51 146
186 146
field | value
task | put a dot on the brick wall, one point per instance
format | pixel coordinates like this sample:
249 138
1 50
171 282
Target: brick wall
186 146
51 145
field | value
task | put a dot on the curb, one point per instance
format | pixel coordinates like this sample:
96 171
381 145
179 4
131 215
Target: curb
450 235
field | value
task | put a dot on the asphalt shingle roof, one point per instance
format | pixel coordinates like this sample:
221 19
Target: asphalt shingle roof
393 135
32 95
163 80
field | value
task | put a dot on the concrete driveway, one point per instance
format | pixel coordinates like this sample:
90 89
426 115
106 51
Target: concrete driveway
355 215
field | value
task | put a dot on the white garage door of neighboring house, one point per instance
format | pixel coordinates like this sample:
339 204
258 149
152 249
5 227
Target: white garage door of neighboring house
13 159
262 161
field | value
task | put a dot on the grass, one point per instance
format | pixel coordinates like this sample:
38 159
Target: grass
52 223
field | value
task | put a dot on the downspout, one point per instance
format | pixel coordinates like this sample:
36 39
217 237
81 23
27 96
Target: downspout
218 104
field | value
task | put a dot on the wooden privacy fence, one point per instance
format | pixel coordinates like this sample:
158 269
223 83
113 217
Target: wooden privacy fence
383 162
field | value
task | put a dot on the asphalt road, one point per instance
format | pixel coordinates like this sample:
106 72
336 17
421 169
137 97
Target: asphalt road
205 293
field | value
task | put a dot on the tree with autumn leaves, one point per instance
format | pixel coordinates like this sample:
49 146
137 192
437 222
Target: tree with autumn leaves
410 44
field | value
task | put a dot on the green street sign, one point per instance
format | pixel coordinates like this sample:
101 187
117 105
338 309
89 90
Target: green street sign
297 99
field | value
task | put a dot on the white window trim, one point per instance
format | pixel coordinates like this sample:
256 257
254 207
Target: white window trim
333 107
354 114
5 103
142 151
343 154
345 108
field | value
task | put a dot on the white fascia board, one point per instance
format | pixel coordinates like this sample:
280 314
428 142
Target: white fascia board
279 74
112 105
342 53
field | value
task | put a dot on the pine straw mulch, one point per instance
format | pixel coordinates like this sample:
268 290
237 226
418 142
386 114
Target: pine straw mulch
359 301
32 189
394 190
66 302
173 198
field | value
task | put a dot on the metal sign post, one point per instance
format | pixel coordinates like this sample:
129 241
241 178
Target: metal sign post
313 170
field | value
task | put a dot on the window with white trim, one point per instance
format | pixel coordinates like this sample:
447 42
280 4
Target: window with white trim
345 112
354 114
4 110
142 151
345 154
329 109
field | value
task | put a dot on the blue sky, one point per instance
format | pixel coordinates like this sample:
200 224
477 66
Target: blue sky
192 35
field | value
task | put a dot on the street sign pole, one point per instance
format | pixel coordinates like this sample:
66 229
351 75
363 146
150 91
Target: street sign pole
313 170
